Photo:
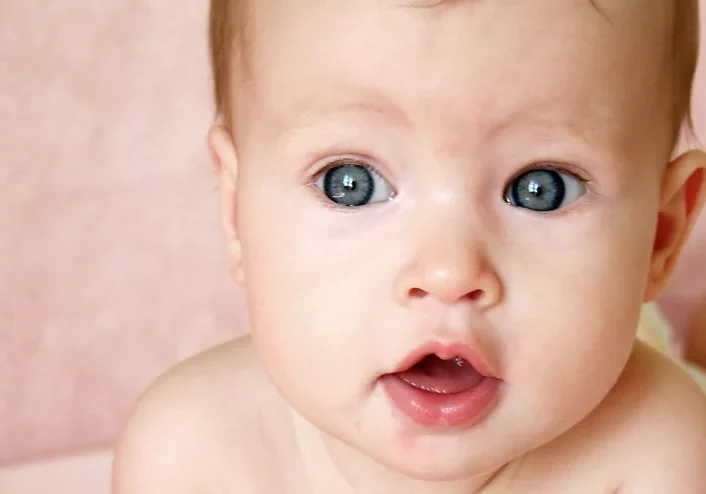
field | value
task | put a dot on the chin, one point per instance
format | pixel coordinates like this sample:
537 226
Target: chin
435 464
441 473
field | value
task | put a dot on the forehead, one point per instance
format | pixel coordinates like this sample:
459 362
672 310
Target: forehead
578 62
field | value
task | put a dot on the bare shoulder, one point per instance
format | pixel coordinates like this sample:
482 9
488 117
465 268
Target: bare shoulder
197 425
664 442
646 437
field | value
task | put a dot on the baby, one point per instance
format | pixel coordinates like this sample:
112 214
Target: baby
446 216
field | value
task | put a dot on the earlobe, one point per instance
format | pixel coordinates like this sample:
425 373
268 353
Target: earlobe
681 201
225 162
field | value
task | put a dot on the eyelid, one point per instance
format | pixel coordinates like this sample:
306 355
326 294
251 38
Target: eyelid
365 162
331 164
556 167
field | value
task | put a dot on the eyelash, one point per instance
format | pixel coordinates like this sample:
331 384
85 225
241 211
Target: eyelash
345 161
549 165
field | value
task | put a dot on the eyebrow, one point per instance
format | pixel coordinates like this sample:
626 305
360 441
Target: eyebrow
530 120
424 4
418 4
309 110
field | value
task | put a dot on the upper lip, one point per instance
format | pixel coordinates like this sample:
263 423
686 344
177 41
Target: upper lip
447 351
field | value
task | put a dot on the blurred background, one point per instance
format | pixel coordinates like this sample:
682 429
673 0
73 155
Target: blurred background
111 262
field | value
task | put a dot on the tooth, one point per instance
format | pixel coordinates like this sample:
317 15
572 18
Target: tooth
459 361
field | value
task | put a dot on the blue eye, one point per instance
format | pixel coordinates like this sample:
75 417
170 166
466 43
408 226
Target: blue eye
354 185
544 190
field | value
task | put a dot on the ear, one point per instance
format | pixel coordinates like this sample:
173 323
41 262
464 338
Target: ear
682 198
225 161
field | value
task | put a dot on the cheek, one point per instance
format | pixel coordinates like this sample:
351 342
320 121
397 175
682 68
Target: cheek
576 308
309 299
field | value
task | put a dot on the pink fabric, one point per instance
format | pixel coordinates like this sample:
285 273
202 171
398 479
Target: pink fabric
88 473
111 260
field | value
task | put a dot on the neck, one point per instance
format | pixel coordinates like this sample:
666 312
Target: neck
333 466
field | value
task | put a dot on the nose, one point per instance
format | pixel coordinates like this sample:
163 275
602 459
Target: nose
450 265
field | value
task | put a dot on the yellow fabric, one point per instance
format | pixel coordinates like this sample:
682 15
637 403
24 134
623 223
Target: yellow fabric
655 330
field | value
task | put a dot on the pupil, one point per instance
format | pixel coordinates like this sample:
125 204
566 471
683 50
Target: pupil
349 185
535 188
349 182
538 190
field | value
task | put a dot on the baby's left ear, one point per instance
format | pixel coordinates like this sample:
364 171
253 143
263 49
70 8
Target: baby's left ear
682 198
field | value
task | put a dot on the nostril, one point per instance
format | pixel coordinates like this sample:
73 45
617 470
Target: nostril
417 293
475 295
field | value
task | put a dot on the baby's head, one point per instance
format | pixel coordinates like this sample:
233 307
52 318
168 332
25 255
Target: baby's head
485 180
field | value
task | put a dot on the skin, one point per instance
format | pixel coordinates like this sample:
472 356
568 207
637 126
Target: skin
449 103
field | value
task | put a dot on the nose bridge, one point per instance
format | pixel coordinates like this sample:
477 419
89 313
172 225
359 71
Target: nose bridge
450 249
450 260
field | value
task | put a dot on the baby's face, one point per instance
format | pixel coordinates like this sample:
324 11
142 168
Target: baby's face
482 177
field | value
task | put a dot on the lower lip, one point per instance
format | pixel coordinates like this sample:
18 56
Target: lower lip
462 409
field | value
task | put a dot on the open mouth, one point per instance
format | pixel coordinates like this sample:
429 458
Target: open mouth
442 386
436 375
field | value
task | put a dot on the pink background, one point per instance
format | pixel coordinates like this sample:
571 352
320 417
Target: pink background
111 263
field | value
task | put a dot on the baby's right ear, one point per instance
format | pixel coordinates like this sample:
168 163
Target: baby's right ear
225 161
